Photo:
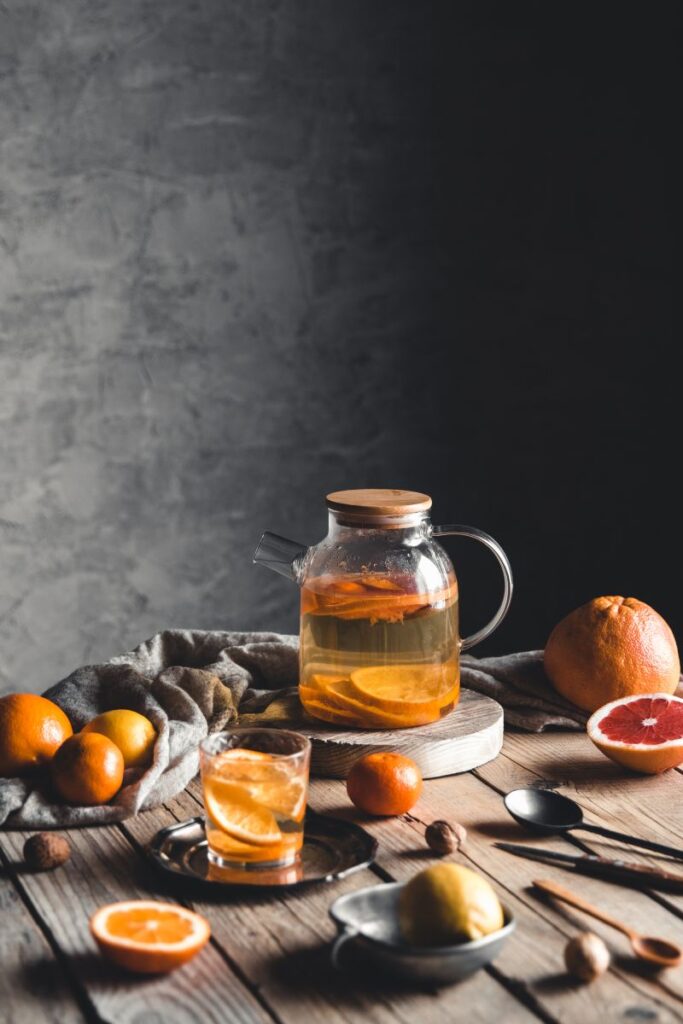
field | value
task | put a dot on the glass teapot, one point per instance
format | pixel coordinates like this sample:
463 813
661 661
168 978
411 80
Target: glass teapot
380 644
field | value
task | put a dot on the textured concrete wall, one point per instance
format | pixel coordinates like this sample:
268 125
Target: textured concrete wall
255 250
199 206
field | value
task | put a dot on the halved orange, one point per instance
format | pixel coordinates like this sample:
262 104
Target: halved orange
238 814
148 936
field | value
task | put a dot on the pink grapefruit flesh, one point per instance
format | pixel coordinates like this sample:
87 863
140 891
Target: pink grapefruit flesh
643 732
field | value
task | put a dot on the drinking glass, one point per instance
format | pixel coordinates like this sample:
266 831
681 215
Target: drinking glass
255 783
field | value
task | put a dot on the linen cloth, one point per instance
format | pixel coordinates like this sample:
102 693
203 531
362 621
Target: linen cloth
191 682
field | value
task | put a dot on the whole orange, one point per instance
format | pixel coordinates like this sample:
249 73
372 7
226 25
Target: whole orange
31 729
87 769
384 784
609 648
132 733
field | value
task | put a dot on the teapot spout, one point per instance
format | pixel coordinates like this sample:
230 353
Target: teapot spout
281 555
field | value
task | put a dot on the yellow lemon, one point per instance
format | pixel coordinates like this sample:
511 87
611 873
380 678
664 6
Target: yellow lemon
446 904
132 733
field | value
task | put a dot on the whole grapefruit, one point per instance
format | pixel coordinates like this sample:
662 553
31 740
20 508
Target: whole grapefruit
31 730
609 648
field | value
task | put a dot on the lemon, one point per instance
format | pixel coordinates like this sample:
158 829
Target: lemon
132 733
446 904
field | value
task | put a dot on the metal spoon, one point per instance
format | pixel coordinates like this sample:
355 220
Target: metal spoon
655 951
543 810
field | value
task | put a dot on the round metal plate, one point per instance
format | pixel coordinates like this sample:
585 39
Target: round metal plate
332 849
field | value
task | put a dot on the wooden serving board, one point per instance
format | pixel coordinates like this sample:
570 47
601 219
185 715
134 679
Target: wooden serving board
469 736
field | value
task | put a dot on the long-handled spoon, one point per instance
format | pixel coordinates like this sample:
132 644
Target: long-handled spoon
543 810
655 951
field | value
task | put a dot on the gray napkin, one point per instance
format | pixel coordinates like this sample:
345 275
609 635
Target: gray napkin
190 683
518 682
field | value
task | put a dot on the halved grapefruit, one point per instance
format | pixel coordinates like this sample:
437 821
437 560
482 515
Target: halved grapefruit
643 732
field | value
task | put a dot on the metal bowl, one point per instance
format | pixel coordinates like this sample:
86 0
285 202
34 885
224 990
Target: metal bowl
369 920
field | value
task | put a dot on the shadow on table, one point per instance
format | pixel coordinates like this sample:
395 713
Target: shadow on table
41 979
312 968
557 984
505 831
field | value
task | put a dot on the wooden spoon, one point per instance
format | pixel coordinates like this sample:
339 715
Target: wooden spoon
655 951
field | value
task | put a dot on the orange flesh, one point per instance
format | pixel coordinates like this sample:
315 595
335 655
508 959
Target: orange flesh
376 653
149 926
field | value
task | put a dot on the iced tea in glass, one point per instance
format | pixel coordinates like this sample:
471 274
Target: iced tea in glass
255 783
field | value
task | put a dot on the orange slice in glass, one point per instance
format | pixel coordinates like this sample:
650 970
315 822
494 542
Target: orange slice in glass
148 936
232 809
233 850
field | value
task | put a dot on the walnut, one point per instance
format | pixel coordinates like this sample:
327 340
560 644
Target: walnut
45 850
586 956
443 838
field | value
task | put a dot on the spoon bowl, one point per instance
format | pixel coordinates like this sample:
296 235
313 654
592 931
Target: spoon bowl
546 812
656 951
543 810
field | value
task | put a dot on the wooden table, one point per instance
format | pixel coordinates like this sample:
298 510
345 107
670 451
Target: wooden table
268 959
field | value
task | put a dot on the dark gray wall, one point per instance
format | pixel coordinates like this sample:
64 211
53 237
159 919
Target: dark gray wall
253 251
202 284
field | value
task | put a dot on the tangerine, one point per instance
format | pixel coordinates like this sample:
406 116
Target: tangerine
87 769
384 783
31 730
609 648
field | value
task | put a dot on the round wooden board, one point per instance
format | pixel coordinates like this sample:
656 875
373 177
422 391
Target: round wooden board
469 736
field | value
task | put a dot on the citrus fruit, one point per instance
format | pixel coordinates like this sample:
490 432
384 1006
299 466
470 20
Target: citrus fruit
341 695
609 648
384 783
264 778
31 729
643 732
147 936
410 690
87 769
232 809
132 733
446 904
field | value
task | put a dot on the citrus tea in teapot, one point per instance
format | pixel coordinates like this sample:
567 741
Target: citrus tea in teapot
380 644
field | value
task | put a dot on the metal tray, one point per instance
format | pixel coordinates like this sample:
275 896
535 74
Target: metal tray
332 850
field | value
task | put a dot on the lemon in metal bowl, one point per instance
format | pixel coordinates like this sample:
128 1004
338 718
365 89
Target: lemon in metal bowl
446 904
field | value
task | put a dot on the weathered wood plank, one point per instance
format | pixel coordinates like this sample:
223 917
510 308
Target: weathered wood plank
32 982
104 868
533 959
650 806
281 943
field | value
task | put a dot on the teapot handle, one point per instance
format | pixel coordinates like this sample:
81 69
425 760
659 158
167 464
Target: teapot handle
493 545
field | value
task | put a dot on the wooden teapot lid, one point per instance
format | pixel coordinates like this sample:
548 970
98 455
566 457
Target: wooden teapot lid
379 502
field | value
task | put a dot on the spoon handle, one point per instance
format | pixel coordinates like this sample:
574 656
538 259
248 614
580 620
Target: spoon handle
560 893
622 837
